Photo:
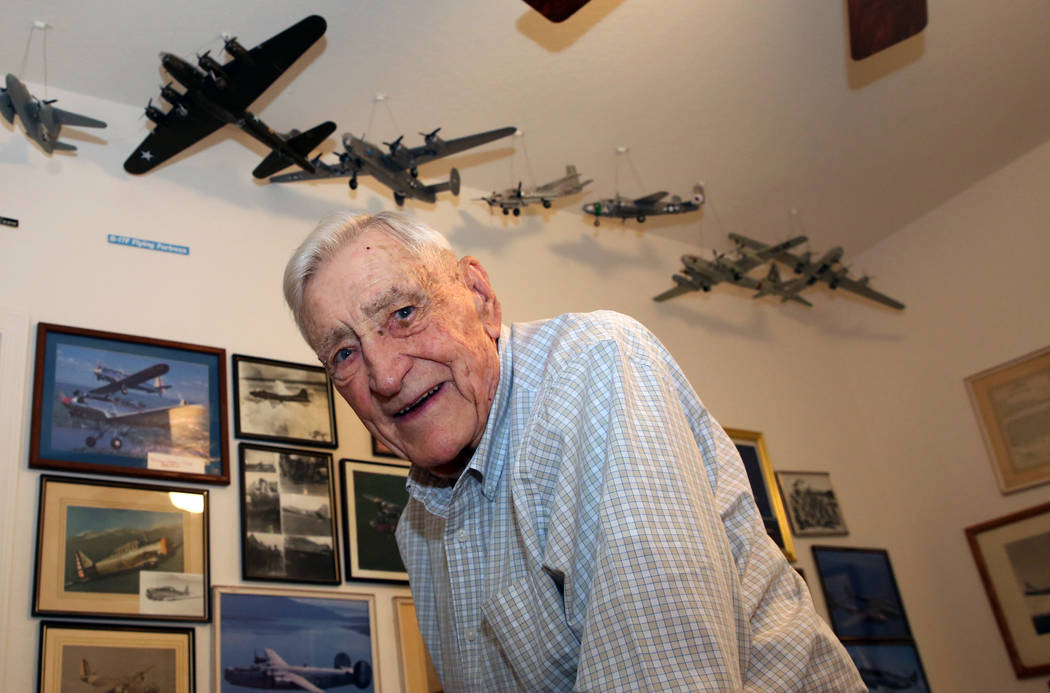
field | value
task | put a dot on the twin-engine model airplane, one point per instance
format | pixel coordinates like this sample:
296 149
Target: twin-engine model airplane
131 556
135 683
42 121
219 94
398 167
648 206
272 672
701 275
514 199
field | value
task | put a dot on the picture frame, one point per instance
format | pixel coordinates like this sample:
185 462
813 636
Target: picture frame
388 455
1012 554
115 549
288 526
812 508
131 406
752 448
76 656
266 631
417 670
889 664
861 594
283 402
373 497
1012 405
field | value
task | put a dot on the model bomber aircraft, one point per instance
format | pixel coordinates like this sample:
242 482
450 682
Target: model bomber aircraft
275 397
648 206
219 94
826 268
42 121
514 199
272 672
135 683
398 166
701 275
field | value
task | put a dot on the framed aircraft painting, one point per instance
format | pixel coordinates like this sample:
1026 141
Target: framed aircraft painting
328 639
287 515
121 550
861 593
752 448
889 666
110 657
373 497
132 406
283 402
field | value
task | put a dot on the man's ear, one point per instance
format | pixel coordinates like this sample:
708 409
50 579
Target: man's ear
477 280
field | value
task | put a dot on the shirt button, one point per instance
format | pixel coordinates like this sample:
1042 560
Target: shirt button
471 634
461 535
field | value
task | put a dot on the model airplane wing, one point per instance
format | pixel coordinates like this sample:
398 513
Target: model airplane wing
650 199
288 677
861 288
672 293
169 139
438 148
322 170
132 380
70 118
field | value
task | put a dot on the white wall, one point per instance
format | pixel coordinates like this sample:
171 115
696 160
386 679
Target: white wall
871 395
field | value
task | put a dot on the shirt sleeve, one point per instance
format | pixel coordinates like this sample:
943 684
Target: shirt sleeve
668 578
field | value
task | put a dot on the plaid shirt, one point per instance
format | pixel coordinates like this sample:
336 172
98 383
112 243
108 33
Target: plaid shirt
604 536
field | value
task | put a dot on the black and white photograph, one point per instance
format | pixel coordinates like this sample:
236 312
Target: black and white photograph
283 402
812 507
287 515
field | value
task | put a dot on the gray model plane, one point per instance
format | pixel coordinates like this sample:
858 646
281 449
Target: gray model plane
398 166
827 268
642 207
134 683
515 199
218 94
272 672
701 275
42 121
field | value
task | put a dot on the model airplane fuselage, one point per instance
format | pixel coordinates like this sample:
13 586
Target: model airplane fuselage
515 199
271 672
643 207
42 121
131 556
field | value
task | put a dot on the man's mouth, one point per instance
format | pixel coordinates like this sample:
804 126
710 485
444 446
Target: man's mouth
419 402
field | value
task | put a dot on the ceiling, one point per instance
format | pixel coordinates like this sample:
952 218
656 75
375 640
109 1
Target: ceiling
760 101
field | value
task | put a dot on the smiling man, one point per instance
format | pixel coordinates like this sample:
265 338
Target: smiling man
577 520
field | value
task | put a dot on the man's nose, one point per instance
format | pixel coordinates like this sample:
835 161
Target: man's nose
387 367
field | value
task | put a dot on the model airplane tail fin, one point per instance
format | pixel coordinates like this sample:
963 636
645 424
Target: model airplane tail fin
62 146
302 144
451 184
85 566
85 672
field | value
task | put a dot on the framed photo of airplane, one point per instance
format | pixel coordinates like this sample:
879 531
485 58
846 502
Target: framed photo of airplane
889 666
110 657
287 515
283 402
1013 558
133 406
861 593
752 448
120 550
373 497
309 639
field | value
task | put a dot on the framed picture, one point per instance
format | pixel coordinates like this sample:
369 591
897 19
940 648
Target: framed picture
373 497
1012 402
812 508
752 448
116 404
861 593
326 638
381 450
283 402
417 671
889 665
121 550
97 656
287 515
1013 558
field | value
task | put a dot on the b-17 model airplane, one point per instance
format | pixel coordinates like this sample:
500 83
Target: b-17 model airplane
42 121
398 167
701 275
648 206
514 199
301 396
135 683
272 672
131 556
120 381
219 94
167 593
827 269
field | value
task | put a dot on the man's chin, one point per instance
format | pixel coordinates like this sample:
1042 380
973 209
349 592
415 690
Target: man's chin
446 469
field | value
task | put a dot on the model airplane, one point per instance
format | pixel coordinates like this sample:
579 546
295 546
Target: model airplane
826 268
398 166
701 275
135 683
648 206
167 593
272 672
42 121
301 396
131 556
514 199
119 380
219 94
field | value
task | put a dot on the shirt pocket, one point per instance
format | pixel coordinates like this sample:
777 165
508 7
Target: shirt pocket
526 620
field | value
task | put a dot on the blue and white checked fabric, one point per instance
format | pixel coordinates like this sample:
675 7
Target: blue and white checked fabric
604 536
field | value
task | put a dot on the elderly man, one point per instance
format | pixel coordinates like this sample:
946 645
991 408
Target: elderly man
577 520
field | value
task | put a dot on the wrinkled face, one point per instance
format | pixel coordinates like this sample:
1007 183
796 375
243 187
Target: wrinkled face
412 349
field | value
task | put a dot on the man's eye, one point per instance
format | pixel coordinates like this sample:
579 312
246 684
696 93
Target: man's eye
342 355
404 313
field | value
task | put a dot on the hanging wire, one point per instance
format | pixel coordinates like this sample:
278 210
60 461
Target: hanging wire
42 26
521 151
